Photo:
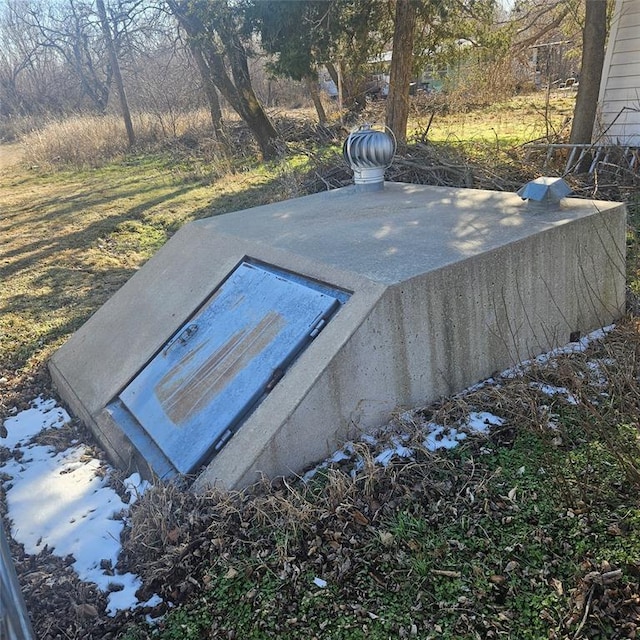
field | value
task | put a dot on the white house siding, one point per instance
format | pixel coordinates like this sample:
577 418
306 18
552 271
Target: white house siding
619 120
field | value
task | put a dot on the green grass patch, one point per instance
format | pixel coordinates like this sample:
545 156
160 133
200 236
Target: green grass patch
71 238
502 125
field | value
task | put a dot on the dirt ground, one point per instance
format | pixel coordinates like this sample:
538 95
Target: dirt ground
10 154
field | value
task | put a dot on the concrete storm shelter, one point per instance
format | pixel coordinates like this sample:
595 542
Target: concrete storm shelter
259 341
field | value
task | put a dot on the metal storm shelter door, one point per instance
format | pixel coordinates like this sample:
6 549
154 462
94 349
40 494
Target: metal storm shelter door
194 393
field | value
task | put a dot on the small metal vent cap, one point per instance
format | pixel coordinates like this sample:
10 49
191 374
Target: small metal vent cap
545 190
369 152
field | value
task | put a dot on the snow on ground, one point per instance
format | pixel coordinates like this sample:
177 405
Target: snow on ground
62 500
447 437
437 437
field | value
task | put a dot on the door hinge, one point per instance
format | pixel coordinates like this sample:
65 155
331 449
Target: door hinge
318 328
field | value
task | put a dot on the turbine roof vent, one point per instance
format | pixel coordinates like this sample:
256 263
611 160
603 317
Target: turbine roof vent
369 152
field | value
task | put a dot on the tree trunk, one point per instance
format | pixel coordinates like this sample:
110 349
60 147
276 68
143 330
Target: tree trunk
593 49
351 91
215 52
251 110
255 117
401 70
212 96
336 77
312 87
115 65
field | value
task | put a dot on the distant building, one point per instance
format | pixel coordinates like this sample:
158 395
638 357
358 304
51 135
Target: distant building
550 65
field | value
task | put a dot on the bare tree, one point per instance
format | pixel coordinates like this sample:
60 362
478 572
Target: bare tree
54 59
72 32
115 66
211 92
537 20
86 44
17 55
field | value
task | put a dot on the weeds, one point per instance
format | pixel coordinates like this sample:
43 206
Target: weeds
86 141
530 532
502 535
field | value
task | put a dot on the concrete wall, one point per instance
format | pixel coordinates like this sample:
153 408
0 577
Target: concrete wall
436 334
448 286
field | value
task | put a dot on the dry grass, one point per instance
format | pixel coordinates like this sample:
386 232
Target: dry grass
90 141
525 482
10 155
87 141
76 141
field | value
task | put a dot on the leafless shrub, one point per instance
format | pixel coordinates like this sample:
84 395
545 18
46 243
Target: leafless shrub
473 85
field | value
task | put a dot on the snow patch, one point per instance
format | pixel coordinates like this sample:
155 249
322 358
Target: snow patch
551 390
62 501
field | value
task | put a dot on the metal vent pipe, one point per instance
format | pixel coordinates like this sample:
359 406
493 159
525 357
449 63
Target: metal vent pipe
14 619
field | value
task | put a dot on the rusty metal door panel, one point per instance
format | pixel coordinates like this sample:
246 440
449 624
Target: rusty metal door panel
207 378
